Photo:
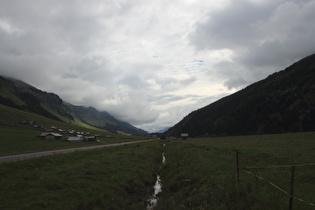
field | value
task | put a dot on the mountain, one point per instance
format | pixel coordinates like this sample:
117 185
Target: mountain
163 130
19 95
283 102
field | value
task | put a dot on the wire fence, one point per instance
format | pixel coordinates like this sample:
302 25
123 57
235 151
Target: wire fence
290 194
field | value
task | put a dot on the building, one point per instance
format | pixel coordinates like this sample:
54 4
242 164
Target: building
90 138
71 131
152 135
50 136
75 138
184 136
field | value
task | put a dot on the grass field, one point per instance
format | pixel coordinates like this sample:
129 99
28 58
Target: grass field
197 174
108 178
201 173
20 140
17 137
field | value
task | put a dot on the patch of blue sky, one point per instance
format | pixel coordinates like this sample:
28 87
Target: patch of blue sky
194 66
199 62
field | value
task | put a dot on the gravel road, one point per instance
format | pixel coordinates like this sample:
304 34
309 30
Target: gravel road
13 158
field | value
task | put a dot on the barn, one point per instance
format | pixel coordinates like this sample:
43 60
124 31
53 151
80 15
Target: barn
75 138
90 138
50 136
184 136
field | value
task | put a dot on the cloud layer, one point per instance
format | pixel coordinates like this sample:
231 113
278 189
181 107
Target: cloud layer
151 63
263 36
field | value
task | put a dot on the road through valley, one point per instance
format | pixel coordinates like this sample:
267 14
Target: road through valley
13 158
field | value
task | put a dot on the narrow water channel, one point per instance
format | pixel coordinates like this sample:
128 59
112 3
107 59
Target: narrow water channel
157 187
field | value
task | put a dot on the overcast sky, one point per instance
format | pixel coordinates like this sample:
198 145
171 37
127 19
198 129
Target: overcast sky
151 63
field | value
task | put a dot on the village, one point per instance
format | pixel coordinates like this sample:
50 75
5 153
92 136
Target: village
54 133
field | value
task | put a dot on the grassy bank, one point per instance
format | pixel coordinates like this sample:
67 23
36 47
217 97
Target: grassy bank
197 174
109 178
17 137
201 173
21 140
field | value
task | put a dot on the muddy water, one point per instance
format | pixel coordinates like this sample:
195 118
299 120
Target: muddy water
157 188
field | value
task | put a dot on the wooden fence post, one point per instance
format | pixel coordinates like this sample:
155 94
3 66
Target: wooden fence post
237 168
292 187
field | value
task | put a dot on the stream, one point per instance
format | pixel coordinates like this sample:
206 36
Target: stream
157 187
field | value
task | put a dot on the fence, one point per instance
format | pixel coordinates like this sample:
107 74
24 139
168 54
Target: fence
290 194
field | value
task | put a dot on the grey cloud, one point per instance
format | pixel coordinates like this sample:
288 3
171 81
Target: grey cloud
49 27
169 98
169 83
134 81
100 53
166 98
264 38
277 55
94 69
176 113
134 110
235 83
188 81
235 26
69 48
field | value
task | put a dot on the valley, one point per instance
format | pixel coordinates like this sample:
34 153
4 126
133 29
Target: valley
238 152
123 177
199 173
17 137
157 105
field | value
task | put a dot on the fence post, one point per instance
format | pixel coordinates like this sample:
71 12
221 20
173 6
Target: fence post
237 168
292 187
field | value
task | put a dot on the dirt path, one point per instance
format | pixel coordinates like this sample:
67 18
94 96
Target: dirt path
13 158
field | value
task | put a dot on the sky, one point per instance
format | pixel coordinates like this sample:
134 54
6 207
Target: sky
150 63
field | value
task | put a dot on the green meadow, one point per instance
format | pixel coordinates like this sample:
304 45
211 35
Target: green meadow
17 137
20 140
201 173
197 174
109 178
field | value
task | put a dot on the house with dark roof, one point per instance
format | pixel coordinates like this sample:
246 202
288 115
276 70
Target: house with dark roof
50 136
184 136
90 138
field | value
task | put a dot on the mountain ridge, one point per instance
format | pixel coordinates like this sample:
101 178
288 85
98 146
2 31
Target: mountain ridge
282 102
20 95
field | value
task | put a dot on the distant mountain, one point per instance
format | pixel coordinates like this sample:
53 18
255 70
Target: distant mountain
19 95
283 102
163 130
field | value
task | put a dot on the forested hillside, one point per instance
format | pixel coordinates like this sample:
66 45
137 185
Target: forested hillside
283 102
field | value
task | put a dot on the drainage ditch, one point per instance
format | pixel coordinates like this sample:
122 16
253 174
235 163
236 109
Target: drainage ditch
157 187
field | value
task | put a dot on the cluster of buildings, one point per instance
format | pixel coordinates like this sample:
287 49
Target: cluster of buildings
77 138
54 133
184 136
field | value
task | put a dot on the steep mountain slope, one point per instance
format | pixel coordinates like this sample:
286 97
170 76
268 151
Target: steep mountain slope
283 102
19 95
